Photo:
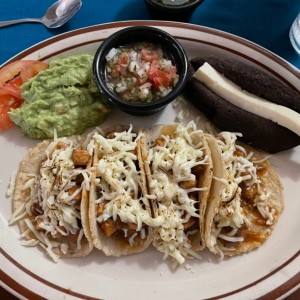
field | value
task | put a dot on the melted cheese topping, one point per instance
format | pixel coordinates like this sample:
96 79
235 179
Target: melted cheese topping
239 168
171 164
49 197
118 183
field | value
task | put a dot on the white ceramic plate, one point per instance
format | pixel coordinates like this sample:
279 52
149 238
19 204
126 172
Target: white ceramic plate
270 272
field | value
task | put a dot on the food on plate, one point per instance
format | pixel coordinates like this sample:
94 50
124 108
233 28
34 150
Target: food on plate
63 97
12 76
9 98
18 72
179 172
140 72
234 94
246 197
121 190
120 213
253 80
50 197
258 121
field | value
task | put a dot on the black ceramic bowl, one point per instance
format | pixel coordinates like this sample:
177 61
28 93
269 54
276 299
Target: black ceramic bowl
182 12
172 50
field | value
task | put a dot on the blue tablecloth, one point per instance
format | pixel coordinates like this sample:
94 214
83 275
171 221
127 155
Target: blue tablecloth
265 22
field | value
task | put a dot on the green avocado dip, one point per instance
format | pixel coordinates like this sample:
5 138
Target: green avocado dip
63 97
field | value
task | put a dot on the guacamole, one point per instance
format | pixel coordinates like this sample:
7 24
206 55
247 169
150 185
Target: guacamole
63 97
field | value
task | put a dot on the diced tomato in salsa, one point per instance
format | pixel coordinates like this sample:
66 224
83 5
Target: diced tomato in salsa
140 72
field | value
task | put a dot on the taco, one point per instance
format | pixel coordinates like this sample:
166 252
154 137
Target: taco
50 198
246 197
179 172
119 211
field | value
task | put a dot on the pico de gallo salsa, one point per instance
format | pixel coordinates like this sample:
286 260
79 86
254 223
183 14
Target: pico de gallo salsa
140 72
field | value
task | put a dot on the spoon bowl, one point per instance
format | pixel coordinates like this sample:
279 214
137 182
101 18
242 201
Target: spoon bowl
56 15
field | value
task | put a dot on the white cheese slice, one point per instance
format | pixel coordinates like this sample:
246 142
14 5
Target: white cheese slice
234 94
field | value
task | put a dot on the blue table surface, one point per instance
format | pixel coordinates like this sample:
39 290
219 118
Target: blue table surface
265 22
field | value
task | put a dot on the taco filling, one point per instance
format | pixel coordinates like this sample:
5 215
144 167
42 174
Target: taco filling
248 205
177 159
48 199
171 186
119 207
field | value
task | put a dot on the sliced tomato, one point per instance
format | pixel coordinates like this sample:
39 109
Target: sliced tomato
12 76
5 121
16 82
10 97
20 71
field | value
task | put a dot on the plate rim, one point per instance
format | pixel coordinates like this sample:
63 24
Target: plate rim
281 290
207 29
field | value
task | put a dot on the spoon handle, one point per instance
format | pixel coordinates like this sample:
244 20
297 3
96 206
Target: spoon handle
8 23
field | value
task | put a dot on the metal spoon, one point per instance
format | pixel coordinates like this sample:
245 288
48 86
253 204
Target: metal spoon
57 14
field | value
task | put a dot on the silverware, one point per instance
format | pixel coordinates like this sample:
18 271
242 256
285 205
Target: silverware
56 15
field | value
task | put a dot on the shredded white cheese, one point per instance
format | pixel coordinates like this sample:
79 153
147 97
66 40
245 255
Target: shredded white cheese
239 168
118 183
50 204
171 164
12 183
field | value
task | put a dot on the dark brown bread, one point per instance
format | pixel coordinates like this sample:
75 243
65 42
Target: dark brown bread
257 131
253 80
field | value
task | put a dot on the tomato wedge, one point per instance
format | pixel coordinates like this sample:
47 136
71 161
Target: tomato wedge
10 97
12 76
5 121
20 71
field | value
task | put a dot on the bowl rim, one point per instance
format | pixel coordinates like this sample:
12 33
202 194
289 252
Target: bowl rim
105 46
176 8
